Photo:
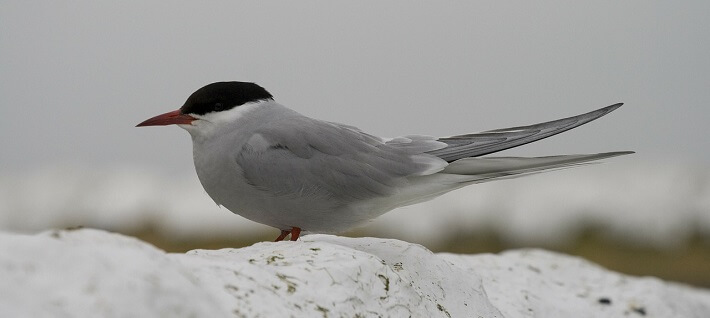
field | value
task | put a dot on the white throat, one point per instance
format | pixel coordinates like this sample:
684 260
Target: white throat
208 124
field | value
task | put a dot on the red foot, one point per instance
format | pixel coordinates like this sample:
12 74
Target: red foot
283 235
294 231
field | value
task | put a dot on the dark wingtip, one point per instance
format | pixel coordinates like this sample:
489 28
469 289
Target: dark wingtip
613 107
601 112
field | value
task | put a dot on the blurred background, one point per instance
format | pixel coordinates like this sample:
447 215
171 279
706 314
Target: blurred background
76 77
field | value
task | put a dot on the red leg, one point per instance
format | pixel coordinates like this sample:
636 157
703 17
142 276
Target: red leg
283 235
295 233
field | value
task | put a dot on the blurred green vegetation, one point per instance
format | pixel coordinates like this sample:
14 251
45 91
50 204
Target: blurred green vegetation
688 264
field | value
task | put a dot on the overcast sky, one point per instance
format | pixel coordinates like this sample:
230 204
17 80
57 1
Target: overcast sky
75 78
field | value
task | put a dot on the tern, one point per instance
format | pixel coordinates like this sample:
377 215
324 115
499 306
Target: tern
274 166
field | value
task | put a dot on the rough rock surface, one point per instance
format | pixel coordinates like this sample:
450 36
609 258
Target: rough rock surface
91 273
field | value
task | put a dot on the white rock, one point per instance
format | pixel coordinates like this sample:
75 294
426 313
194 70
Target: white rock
91 273
538 283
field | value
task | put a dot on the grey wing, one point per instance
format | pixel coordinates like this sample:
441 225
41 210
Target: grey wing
307 157
483 143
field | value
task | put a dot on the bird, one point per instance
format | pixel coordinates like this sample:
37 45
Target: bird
275 166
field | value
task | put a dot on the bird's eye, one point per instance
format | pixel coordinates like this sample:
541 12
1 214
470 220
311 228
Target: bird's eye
218 106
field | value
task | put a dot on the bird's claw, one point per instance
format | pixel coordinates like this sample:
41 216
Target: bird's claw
294 231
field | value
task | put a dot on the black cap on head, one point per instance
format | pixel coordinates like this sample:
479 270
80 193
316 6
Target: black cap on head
223 96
